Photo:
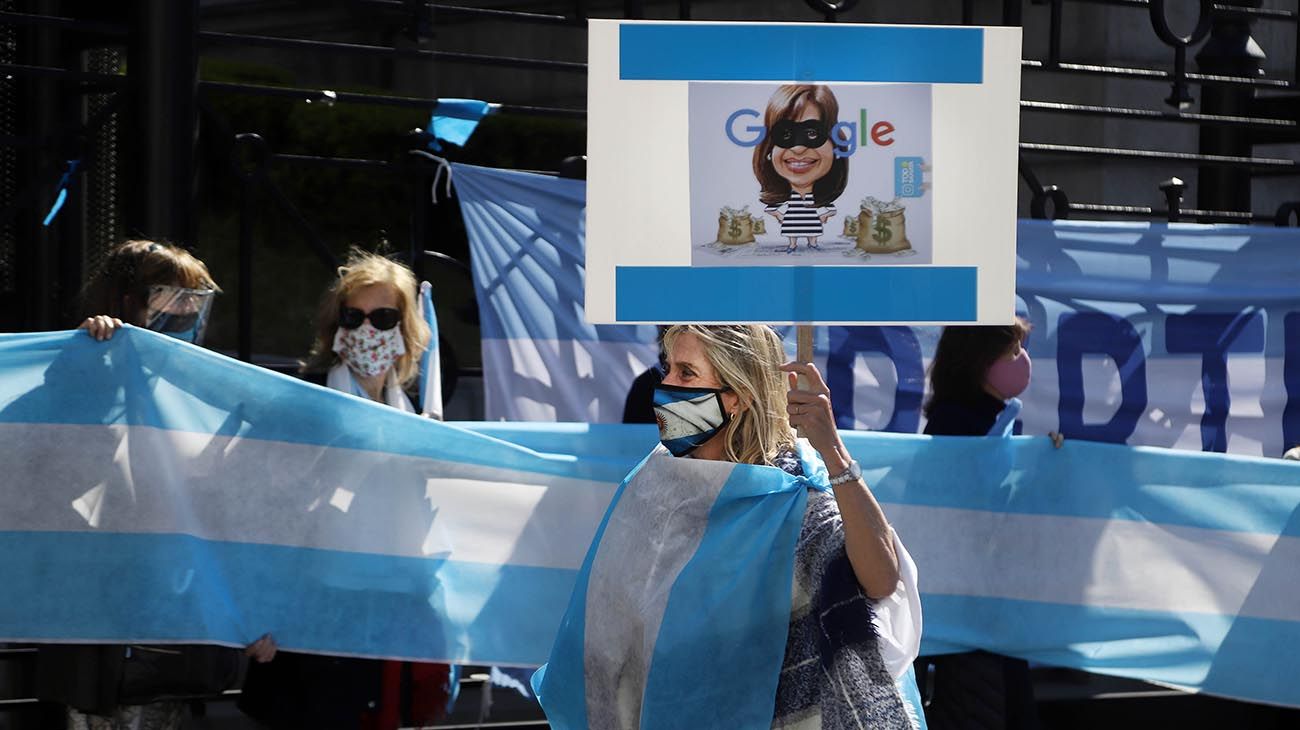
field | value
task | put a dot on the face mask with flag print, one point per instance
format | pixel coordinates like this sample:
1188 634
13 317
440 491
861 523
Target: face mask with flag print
688 417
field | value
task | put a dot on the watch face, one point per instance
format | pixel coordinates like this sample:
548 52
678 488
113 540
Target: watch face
853 472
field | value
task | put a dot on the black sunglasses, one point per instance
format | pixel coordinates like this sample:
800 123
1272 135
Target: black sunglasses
384 318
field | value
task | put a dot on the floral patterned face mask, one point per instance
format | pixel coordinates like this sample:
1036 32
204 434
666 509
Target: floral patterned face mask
368 351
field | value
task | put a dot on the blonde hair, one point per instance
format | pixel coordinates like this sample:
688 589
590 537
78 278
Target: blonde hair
746 358
120 286
361 270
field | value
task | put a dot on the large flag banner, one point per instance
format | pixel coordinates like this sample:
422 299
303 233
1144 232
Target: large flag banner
801 173
1181 335
157 492
542 361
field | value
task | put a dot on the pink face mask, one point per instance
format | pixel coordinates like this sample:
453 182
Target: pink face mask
1010 377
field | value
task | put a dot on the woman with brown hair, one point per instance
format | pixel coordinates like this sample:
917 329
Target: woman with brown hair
975 378
975 374
152 285
796 164
166 289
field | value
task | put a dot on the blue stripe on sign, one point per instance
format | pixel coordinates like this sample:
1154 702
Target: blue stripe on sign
1222 655
761 599
763 52
181 588
795 293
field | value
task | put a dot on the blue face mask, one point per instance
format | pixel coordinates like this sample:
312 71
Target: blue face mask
688 416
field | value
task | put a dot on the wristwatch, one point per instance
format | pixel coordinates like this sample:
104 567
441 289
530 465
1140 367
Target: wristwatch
853 472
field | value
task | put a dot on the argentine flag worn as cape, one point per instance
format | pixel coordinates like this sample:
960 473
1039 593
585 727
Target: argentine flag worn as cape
681 610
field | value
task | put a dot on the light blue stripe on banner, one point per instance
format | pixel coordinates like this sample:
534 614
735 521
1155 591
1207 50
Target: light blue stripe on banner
1026 475
142 378
751 636
766 52
796 293
623 443
1245 658
362 604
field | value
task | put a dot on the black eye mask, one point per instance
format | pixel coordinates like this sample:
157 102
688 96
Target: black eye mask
787 134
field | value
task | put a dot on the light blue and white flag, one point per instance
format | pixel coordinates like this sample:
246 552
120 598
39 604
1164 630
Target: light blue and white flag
430 362
1174 567
541 360
1154 334
155 491
680 612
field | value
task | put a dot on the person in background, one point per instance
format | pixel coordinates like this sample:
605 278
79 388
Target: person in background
163 288
975 378
369 339
975 373
639 405
152 285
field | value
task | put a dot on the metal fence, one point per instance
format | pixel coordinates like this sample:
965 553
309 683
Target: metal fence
65 64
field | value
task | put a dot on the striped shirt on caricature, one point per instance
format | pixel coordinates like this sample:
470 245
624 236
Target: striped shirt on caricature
802 217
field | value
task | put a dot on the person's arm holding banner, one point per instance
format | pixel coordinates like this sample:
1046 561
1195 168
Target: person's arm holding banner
867 535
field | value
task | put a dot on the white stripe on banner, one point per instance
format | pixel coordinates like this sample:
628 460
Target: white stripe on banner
585 381
321 497
1095 562
631 580
1172 417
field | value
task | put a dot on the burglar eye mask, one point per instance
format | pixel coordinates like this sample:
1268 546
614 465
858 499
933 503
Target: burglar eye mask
812 133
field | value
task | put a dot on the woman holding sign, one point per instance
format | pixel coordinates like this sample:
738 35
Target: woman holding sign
684 615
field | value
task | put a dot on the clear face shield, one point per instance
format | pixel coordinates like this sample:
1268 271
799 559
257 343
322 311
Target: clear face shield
179 312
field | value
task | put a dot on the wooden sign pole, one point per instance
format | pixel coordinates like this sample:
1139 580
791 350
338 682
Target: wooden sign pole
803 354
804 349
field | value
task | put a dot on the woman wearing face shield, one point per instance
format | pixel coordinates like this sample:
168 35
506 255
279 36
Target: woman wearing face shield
166 289
728 395
369 340
152 285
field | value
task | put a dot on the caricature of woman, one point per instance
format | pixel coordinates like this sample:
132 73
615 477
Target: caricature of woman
796 164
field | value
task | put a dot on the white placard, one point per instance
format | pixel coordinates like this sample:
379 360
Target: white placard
801 173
